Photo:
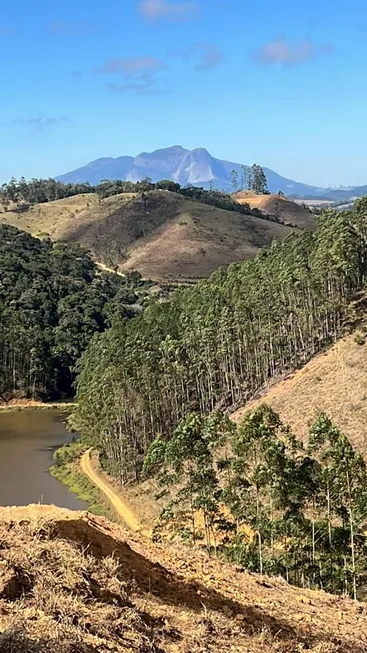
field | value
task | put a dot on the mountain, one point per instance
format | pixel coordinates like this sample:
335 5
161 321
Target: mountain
164 236
197 167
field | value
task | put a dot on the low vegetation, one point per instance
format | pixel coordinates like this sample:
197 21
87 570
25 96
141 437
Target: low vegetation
73 583
67 470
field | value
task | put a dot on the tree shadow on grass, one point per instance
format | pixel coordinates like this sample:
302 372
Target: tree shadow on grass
169 588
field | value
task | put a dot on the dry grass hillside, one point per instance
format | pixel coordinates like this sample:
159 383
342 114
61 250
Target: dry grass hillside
70 583
165 236
334 382
279 206
56 218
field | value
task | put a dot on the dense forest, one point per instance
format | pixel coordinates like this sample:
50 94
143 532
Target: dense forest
215 345
21 194
52 300
257 495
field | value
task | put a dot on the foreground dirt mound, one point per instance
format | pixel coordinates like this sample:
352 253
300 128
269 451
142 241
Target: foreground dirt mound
281 207
76 584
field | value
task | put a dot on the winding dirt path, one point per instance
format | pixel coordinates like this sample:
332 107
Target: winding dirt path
118 504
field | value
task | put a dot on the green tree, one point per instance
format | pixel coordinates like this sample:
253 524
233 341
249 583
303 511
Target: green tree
344 481
188 461
234 180
259 183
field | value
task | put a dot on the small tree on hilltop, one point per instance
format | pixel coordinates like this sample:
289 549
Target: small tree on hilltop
234 180
245 178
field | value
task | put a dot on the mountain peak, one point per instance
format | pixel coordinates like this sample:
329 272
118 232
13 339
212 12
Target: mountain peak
200 151
197 167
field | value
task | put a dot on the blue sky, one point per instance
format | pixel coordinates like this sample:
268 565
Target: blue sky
280 83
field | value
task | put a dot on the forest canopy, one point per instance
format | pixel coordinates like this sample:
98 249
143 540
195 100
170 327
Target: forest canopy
52 300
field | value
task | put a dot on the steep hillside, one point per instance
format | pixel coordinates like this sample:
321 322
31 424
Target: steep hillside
162 235
281 207
334 382
70 583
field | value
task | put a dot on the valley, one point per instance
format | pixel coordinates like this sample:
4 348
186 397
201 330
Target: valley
226 415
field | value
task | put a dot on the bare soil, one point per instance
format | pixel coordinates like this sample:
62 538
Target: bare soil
279 206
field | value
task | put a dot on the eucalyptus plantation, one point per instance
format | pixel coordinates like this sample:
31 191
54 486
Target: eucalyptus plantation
215 345
265 500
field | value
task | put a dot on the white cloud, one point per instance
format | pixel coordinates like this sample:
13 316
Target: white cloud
131 66
40 122
168 9
281 52
210 56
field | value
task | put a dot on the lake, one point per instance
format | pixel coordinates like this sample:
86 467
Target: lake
28 440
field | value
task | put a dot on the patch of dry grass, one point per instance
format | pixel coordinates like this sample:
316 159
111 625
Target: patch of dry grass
70 583
281 207
334 382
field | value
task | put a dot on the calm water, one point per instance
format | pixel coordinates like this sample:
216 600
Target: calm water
27 441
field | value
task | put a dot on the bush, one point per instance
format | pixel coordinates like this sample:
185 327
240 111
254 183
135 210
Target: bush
360 338
68 453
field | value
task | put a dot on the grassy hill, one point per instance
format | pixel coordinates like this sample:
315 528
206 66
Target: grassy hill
73 583
279 206
164 235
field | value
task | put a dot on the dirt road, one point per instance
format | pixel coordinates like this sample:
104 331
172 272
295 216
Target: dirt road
118 504
104 267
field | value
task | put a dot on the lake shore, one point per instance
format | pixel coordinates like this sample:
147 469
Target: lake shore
67 469
28 404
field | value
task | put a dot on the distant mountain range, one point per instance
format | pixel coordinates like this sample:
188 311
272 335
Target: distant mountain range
198 168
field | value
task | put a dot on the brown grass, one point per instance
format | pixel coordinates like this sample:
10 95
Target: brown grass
30 404
281 207
167 237
55 218
70 583
334 382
